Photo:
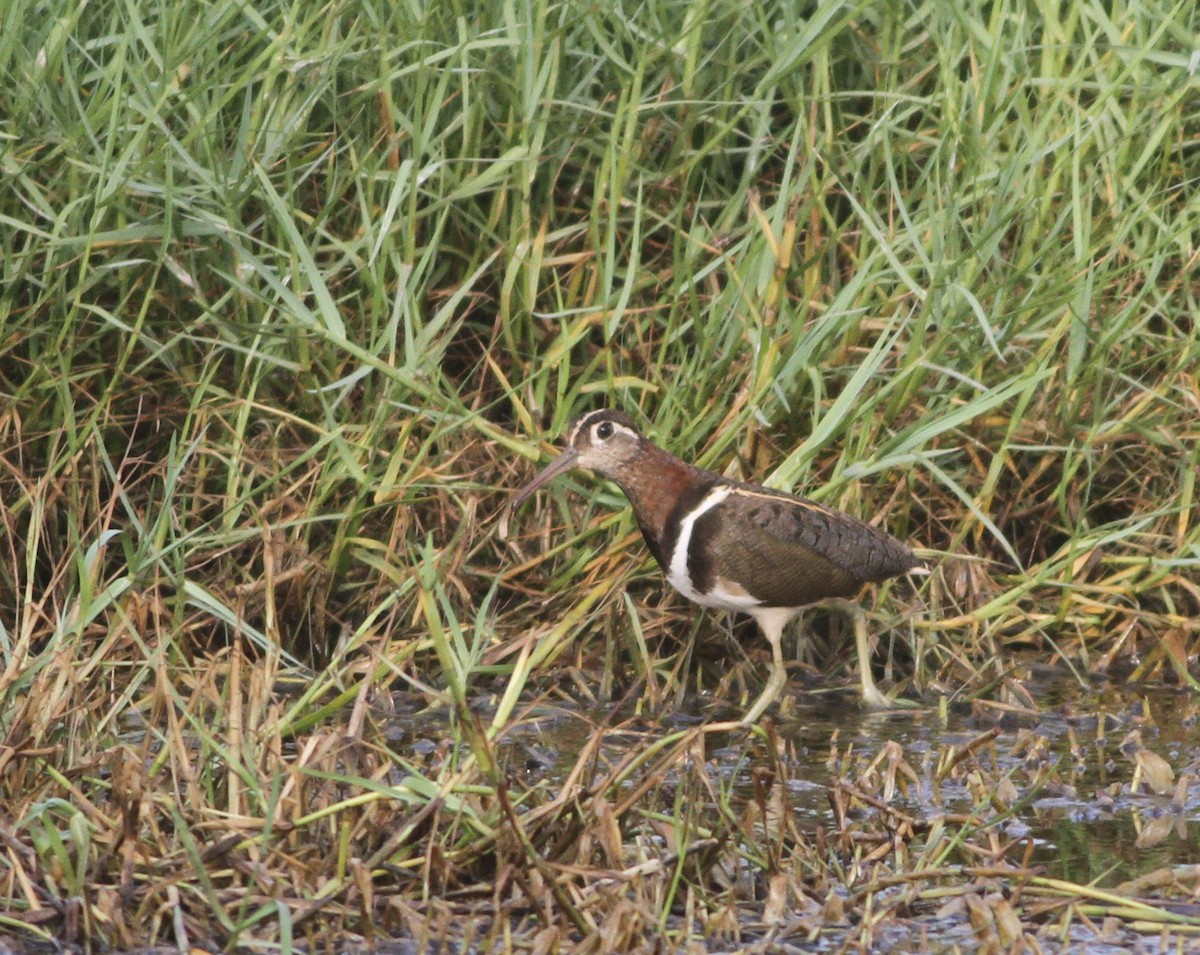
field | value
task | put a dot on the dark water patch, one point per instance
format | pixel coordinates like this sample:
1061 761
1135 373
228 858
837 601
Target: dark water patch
1068 765
945 816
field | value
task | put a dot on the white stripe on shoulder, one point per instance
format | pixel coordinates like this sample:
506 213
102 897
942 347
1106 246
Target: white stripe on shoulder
724 594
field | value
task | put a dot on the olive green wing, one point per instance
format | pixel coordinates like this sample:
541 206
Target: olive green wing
787 551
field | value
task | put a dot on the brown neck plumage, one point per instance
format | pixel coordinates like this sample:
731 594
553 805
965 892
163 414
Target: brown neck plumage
655 485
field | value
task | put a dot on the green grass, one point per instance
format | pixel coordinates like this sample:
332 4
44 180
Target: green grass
292 296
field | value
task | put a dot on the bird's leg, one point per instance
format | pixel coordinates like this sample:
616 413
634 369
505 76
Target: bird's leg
872 696
775 683
772 623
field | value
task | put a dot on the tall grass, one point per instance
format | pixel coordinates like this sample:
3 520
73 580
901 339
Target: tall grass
292 296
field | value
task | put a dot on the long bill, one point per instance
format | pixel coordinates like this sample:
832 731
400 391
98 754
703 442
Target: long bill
564 462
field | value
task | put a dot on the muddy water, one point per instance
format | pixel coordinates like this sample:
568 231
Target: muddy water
1071 766
1102 778
1096 784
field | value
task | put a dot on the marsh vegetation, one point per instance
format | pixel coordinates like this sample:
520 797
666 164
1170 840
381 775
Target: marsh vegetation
292 297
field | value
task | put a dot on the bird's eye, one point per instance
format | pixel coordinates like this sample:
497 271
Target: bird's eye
604 430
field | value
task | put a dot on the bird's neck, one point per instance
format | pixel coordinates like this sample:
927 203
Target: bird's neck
662 489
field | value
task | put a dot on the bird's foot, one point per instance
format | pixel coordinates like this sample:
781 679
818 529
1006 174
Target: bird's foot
874 699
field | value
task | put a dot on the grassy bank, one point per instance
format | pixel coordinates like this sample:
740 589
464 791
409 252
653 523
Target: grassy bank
292 297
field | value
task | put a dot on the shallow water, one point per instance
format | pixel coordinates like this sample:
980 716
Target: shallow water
1098 780
1070 762
1054 773
1086 820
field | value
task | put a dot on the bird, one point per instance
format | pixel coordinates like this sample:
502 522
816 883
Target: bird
734 546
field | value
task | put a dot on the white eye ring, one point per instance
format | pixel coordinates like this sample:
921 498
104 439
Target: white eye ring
604 430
